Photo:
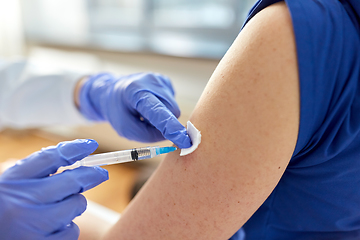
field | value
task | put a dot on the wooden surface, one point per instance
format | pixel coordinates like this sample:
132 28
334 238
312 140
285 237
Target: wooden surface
114 194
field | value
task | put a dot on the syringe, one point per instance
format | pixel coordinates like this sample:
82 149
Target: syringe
119 157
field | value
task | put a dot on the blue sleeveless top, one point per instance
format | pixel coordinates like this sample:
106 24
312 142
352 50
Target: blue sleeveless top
318 196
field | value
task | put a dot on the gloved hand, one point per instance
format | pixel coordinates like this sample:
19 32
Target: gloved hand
140 107
34 205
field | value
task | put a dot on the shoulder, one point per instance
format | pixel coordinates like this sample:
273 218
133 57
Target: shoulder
248 117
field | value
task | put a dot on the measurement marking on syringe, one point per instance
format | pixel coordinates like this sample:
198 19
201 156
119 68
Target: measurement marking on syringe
121 156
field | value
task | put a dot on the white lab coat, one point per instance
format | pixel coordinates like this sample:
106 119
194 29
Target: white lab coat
30 98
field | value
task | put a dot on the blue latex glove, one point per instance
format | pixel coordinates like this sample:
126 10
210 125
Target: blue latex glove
140 107
34 205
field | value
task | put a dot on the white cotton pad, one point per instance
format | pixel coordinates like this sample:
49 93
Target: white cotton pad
195 137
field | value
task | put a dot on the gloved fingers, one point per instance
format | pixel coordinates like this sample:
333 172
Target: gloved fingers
67 183
152 134
166 94
55 217
166 81
45 162
151 108
92 95
132 128
145 133
170 104
70 232
176 133
55 188
149 83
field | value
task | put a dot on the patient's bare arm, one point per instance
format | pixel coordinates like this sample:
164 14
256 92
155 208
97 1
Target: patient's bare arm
248 116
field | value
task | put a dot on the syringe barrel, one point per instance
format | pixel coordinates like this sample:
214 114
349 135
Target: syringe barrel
107 158
119 156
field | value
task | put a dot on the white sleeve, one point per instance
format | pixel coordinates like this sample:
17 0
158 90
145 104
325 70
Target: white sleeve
31 98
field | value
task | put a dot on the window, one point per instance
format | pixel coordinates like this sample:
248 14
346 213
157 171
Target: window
189 28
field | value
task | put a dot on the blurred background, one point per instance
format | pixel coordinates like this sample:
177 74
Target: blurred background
184 39
187 28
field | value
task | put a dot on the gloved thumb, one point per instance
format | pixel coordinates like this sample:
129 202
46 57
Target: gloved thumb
45 162
73 151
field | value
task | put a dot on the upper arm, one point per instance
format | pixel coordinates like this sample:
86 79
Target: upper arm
248 116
